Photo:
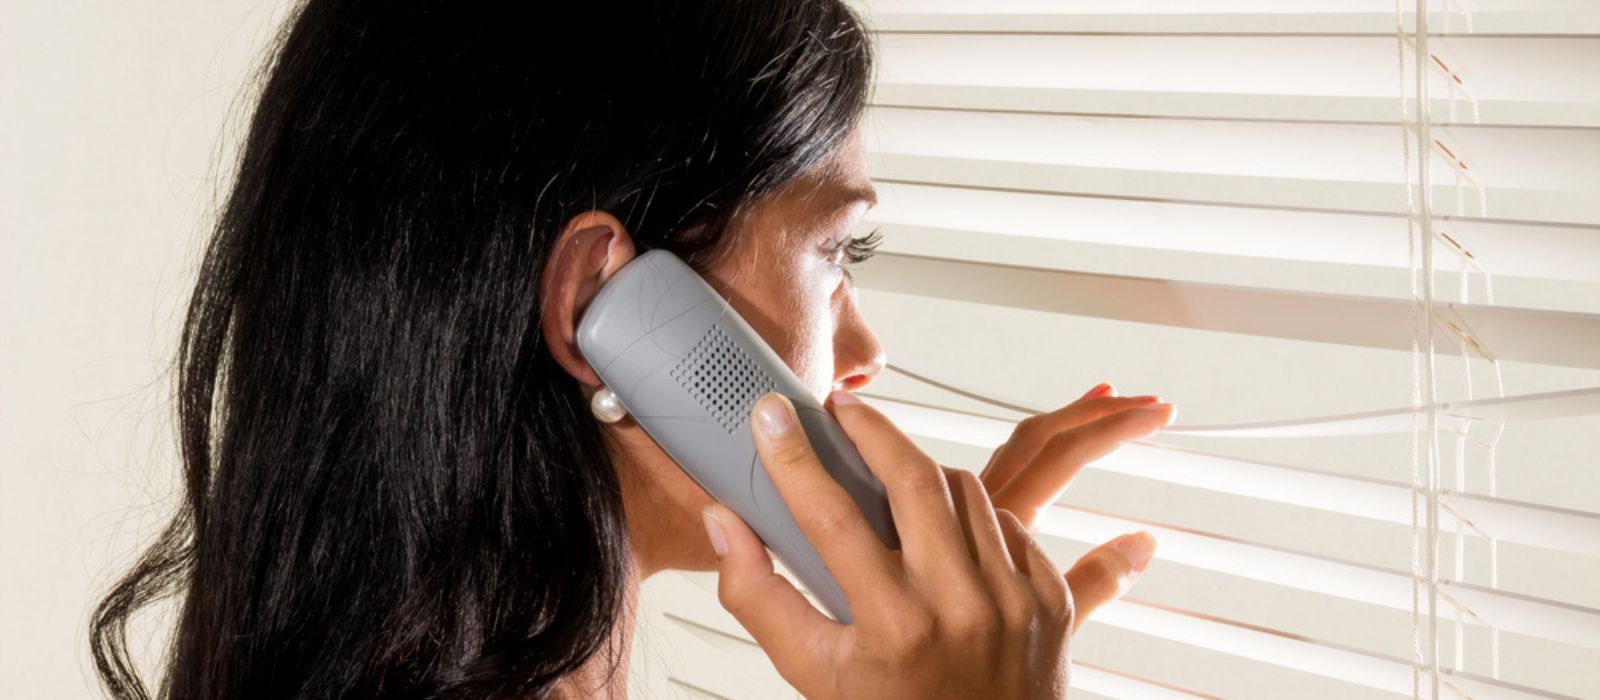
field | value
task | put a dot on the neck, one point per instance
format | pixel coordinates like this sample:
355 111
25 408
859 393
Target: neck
654 545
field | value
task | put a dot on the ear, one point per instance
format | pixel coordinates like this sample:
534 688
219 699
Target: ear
591 249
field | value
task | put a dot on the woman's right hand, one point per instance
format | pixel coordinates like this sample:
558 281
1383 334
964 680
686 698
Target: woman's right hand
970 606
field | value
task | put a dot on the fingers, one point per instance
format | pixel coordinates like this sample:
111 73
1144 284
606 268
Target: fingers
771 609
830 520
980 527
1108 571
1033 432
1053 594
1101 389
1058 460
931 535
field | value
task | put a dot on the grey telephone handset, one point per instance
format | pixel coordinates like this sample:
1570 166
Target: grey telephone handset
689 369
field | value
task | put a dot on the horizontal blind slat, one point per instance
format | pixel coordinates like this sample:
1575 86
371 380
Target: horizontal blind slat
1299 653
1355 109
1003 226
1535 617
1524 523
1455 24
1534 175
1524 335
1333 79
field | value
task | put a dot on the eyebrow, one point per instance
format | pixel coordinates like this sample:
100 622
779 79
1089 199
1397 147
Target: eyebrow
860 193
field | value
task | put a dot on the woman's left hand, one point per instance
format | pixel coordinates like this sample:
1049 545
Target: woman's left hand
1031 470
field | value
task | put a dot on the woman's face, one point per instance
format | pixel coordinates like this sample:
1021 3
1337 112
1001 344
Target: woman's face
784 272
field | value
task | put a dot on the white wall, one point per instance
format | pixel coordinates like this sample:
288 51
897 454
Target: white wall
110 113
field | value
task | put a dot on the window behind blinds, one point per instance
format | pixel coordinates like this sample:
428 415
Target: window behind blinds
1374 299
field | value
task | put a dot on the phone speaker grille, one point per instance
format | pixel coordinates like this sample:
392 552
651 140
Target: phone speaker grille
723 378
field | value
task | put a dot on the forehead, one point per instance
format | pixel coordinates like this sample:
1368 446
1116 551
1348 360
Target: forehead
838 182
822 199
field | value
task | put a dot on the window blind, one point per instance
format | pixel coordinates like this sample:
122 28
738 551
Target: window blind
1363 260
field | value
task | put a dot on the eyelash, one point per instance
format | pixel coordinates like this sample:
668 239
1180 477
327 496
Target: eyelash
859 250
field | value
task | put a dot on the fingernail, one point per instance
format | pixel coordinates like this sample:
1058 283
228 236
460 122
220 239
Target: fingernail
1136 549
1171 415
844 398
1100 389
773 416
719 543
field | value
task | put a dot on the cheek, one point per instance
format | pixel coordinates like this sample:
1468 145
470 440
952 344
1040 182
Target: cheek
791 304
811 355
812 359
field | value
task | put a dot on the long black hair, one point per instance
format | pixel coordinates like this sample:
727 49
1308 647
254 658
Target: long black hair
391 488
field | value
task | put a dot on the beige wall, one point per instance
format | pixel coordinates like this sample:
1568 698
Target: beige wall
109 118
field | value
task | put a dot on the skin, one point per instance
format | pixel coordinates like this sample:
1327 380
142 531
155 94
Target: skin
969 587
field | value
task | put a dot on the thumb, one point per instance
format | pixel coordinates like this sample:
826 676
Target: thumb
794 634
1107 572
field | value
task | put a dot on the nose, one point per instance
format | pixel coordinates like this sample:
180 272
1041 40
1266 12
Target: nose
858 357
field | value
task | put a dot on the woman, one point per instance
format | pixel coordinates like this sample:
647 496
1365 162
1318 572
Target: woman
394 483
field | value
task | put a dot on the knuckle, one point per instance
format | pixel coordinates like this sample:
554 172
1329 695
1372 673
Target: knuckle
922 477
1099 571
829 519
1027 427
791 453
1010 524
1062 441
730 592
1018 606
1055 600
975 621
966 481
1052 594
973 495
913 634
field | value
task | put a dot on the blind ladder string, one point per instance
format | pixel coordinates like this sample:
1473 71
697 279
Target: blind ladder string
1466 265
1424 397
1426 540
1416 372
1416 355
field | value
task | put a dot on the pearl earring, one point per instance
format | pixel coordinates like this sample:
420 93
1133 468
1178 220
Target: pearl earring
606 407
